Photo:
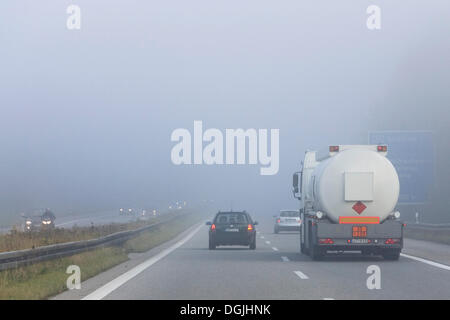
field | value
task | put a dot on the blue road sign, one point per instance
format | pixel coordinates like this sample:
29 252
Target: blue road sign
412 154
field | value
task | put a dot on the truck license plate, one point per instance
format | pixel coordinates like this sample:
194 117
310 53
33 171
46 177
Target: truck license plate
360 241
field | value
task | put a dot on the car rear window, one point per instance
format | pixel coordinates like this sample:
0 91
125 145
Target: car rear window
289 214
231 218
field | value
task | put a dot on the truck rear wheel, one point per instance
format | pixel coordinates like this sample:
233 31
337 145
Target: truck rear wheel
391 254
316 253
303 249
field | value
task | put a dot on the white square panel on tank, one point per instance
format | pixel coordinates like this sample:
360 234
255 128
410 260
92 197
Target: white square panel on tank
358 186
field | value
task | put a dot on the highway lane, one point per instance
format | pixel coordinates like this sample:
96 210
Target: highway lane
275 270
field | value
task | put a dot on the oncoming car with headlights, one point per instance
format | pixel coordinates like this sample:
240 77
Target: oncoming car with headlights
40 220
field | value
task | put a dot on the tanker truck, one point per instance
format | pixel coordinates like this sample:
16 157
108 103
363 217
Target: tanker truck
348 195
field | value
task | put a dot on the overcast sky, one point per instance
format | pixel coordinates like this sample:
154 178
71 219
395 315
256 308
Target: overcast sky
86 115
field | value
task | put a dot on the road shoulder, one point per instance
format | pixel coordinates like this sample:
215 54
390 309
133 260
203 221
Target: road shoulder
427 250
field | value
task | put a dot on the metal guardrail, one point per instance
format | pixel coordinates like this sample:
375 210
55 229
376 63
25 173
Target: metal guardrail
413 225
14 259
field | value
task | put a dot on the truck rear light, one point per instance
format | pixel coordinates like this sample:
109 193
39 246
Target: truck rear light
334 148
249 227
392 241
213 227
382 148
326 241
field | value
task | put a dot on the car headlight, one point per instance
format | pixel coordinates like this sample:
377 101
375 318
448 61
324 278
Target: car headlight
397 214
319 214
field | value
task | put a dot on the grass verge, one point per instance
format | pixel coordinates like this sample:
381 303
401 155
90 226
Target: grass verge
46 279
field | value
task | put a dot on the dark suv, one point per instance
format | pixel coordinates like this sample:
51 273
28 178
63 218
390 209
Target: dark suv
232 228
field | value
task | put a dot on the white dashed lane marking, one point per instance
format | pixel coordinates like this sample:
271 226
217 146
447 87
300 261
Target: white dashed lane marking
274 248
267 242
301 275
285 259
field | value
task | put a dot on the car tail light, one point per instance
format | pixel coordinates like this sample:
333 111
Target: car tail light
334 148
250 227
213 227
392 241
278 220
382 148
326 241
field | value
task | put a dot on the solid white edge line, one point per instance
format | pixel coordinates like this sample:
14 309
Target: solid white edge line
106 289
301 275
431 263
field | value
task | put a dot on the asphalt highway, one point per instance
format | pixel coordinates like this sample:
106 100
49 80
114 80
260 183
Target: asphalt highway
184 268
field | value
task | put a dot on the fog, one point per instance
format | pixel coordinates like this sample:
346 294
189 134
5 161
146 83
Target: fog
87 115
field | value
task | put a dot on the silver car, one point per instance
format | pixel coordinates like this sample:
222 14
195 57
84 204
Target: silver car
287 220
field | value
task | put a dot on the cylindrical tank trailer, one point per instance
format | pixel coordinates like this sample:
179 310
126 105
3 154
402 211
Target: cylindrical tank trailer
348 196
355 176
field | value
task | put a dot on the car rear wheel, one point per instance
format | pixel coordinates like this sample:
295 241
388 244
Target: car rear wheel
253 245
275 230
